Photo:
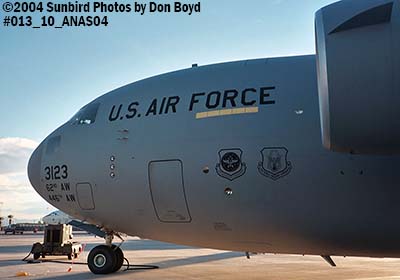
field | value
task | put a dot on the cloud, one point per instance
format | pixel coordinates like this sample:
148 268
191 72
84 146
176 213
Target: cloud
14 154
16 193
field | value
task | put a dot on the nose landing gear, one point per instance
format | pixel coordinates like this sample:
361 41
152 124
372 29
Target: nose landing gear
105 259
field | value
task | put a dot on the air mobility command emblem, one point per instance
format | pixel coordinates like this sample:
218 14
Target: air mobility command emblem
230 164
274 164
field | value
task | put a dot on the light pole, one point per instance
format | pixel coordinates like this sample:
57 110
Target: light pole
10 217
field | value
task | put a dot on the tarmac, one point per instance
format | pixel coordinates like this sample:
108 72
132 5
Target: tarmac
181 262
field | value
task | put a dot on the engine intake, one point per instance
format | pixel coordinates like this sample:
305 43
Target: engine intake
358 61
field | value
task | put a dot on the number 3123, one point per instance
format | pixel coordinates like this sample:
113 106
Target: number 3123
56 172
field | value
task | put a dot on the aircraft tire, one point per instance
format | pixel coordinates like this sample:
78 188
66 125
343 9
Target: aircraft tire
119 258
102 260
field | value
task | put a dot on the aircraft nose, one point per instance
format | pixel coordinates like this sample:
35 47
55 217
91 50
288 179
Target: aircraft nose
34 166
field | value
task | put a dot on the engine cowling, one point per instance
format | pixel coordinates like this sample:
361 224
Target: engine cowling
358 61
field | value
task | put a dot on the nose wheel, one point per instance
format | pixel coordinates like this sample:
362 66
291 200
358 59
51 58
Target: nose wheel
109 258
105 259
119 261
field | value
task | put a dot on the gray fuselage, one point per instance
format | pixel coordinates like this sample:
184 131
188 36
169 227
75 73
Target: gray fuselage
231 159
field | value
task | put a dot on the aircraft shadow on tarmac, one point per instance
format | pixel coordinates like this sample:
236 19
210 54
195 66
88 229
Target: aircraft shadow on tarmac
137 245
161 265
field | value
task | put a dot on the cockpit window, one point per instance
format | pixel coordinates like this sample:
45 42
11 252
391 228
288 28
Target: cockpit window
86 115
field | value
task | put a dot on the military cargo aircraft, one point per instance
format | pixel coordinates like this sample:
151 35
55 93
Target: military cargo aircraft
296 155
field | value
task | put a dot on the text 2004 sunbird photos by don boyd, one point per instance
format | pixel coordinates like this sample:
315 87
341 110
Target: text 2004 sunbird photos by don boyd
73 12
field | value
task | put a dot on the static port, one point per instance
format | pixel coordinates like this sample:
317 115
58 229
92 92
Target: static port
112 158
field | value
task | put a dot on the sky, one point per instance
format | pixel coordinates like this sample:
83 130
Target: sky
47 74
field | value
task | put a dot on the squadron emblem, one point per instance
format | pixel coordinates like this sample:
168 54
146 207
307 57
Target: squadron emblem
274 164
230 164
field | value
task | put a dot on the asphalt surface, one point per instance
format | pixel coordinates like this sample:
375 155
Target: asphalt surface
181 262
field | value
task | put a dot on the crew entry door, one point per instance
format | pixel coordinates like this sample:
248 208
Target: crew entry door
168 191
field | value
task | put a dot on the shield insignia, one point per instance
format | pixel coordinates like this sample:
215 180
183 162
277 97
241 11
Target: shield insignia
230 164
274 164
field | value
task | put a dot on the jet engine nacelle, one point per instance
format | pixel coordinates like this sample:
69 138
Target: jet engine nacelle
358 54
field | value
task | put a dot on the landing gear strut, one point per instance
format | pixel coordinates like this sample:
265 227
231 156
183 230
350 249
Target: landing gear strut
105 259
